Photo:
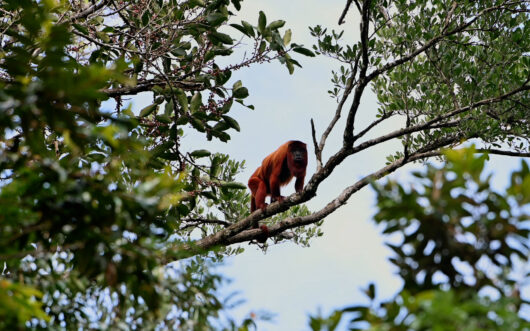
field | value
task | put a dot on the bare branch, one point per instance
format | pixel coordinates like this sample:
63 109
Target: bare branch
363 82
502 152
341 18
205 221
372 125
449 15
349 87
318 152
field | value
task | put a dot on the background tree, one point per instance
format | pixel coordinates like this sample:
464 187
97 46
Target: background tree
100 201
461 249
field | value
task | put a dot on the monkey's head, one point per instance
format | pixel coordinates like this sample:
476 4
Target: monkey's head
298 152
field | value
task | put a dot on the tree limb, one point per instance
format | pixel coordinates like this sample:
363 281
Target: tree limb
341 18
503 152
148 84
363 82
90 10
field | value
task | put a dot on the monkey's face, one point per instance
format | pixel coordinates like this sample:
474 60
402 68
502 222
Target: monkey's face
298 155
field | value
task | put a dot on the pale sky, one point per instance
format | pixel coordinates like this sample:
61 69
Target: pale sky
289 280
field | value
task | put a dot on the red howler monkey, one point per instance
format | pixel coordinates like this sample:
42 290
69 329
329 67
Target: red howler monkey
277 169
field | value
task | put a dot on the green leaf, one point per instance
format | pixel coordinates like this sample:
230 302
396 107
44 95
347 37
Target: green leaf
168 109
216 19
215 168
209 194
237 85
159 99
198 125
103 36
157 90
80 28
304 51
262 47
276 25
262 22
163 119
196 102
287 37
200 153
162 148
240 28
231 122
370 291
226 107
240 93
218 37
195 3
249 28
182 99
145 18
221 126
237 4
148 110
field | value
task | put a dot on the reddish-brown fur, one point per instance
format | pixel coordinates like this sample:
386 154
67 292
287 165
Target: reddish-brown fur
277 169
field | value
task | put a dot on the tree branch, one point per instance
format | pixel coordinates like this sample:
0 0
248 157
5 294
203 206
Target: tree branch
318 152
148 84
90 10
338 111
363 82
502 152
341 18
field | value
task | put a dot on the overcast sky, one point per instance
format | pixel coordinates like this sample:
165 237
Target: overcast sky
290 280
